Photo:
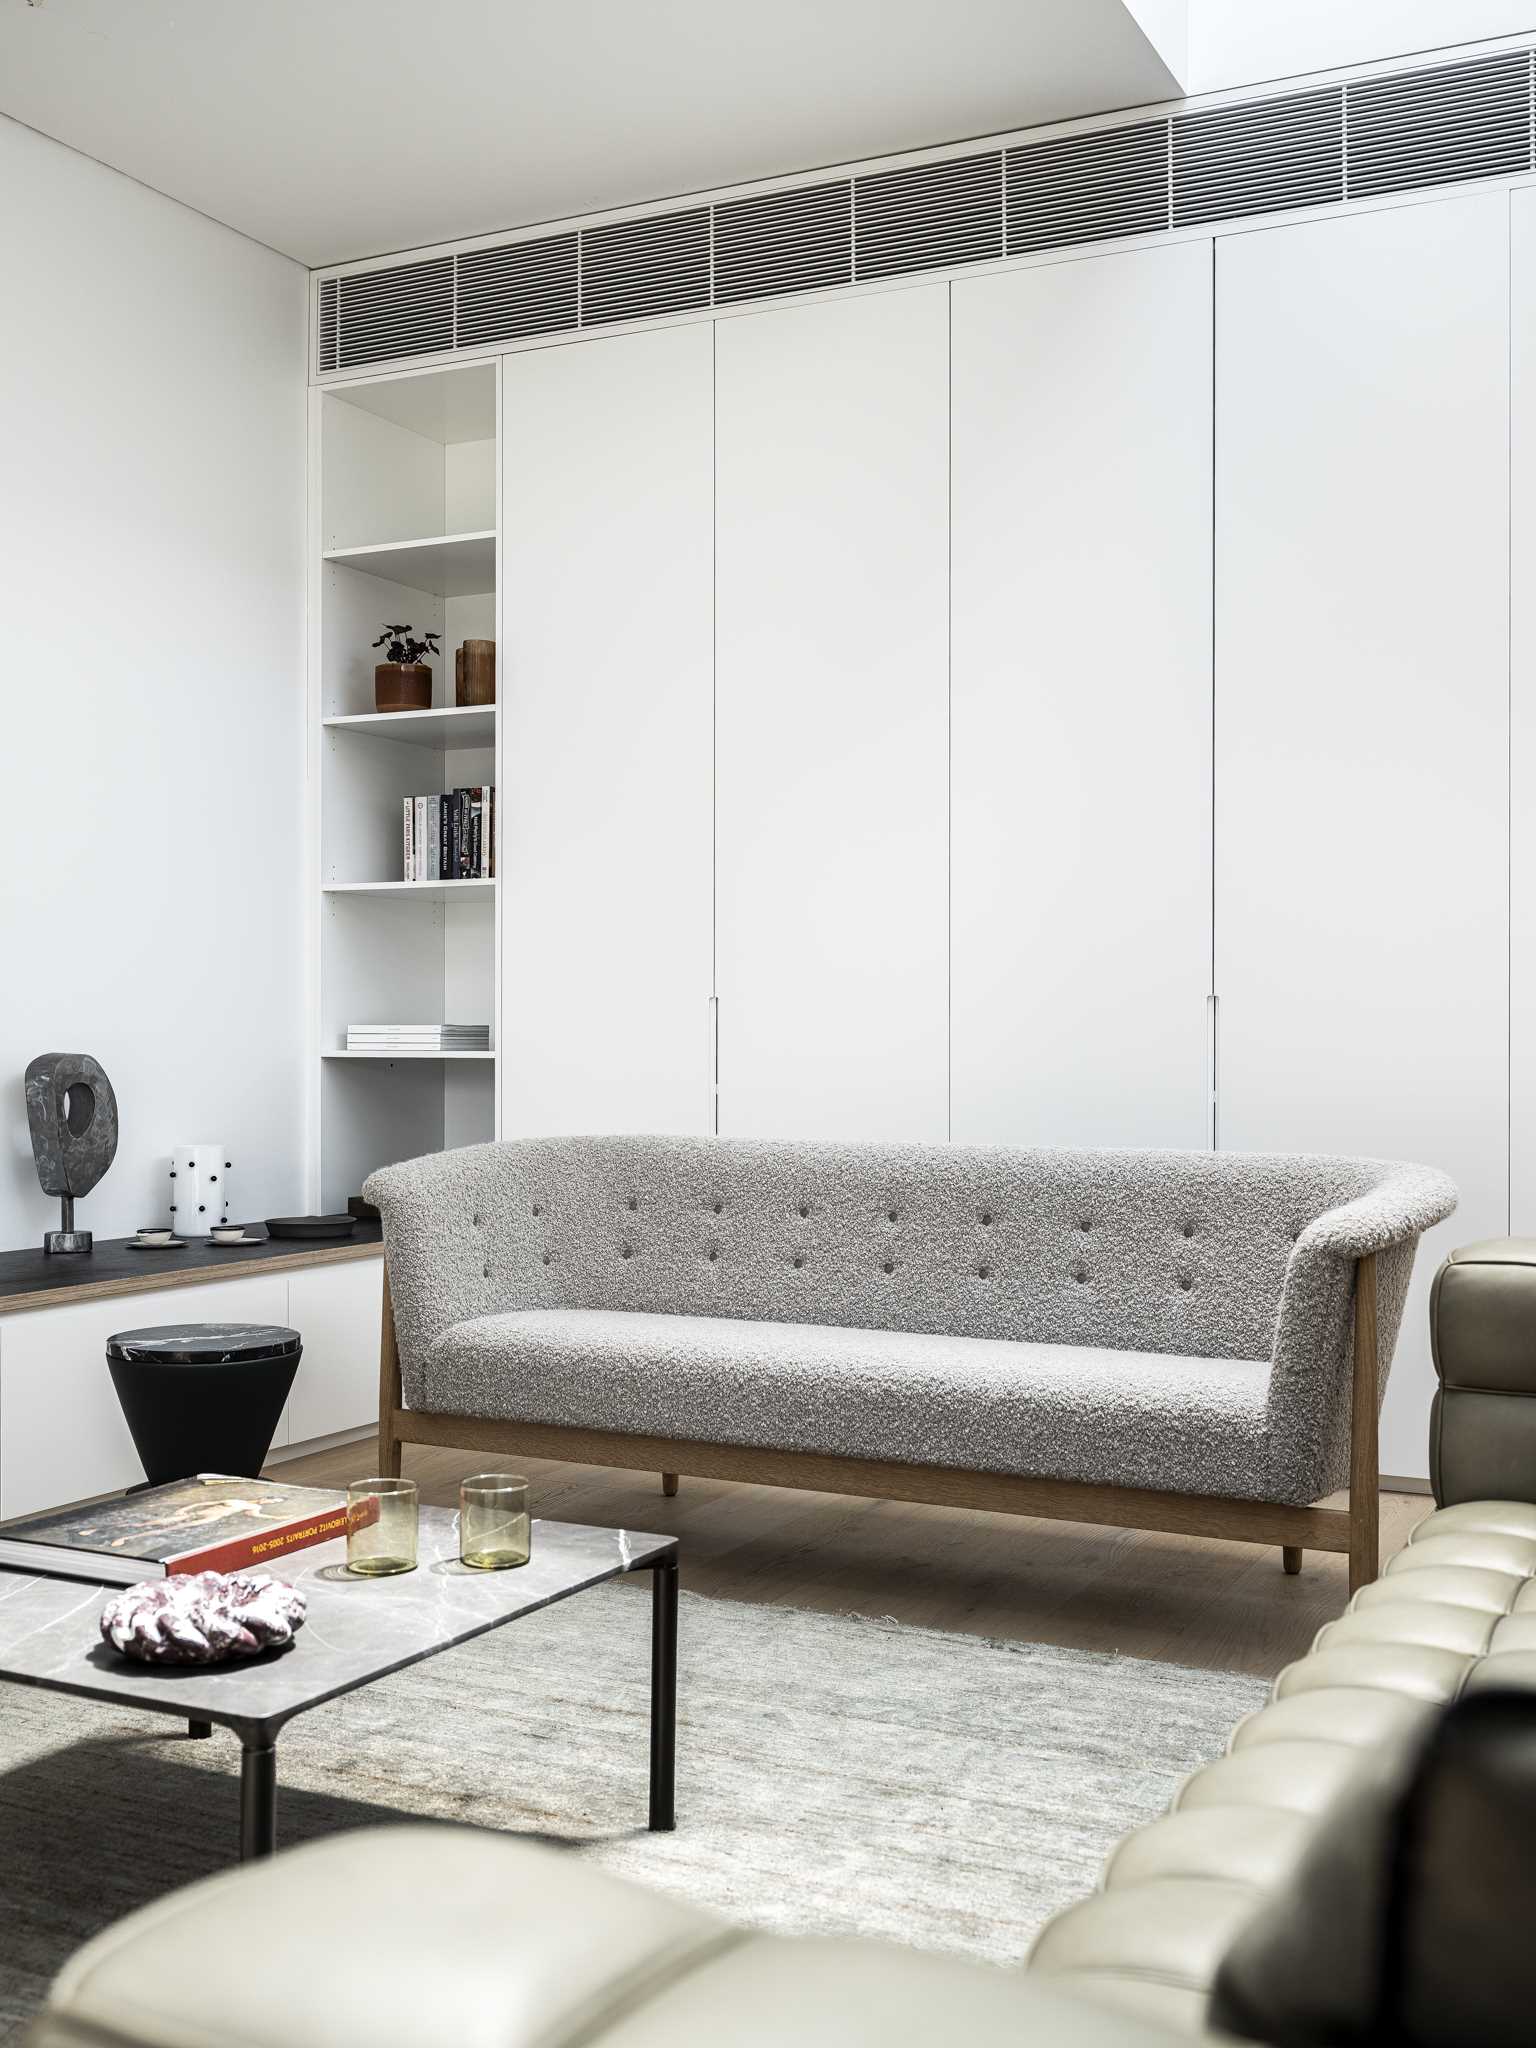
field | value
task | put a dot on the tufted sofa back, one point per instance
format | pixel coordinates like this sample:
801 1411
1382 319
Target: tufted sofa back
1183 1252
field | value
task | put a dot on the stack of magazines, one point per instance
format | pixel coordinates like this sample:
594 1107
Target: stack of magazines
418 1038
451 837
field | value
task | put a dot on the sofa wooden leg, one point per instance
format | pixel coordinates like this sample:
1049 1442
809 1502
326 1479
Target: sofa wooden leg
669 1484
1290 1557
389 1388
1364 1453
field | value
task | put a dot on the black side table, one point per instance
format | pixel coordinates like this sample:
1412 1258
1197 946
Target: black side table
203 1397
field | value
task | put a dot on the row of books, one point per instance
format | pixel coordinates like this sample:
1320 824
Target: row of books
418 1038
450 837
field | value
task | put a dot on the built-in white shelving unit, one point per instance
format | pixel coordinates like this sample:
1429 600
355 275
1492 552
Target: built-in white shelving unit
465 725
440 1056
431 891
452 565
406 501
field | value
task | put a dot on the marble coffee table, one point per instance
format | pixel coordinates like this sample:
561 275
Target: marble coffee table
357 1630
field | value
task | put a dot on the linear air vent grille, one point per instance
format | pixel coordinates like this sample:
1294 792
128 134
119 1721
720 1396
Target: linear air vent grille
929 216
384 314
641 269
1264 157
522 288
1087 188
800 240
326 339
1396 133
1439 127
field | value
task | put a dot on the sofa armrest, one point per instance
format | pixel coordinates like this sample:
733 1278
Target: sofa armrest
458 1241
1311 1360
1482 1331
486 1942
1406 1202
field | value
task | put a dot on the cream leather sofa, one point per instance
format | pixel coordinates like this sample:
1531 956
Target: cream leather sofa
491 1943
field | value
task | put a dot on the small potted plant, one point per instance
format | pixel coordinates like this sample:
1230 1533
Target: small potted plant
402 681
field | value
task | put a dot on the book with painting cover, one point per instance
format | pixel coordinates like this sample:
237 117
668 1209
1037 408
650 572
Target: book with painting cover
212 1523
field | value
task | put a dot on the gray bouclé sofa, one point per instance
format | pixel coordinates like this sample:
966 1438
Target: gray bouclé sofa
1193 1341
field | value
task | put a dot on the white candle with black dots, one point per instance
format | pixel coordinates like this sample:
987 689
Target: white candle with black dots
199 1182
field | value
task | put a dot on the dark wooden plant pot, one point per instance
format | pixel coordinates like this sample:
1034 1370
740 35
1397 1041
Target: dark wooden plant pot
402 686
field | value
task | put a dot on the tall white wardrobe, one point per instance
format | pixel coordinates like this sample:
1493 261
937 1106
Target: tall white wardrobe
1064 705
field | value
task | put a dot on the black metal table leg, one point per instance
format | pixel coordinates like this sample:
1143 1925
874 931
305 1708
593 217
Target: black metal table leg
258 1802
663 1693
199 1730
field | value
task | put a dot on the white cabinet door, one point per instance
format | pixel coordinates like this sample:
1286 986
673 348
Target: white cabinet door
832 454
62 1433
1522 706
336 1309
1361 722
1081 565
606 759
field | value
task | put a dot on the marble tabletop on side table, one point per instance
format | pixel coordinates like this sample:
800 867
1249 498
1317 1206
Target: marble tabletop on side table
357 1630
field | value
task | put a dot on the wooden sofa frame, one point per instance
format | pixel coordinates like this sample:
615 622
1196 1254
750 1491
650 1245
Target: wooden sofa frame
1354 1530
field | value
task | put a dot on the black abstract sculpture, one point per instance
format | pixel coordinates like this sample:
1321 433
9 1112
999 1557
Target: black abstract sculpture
72 1113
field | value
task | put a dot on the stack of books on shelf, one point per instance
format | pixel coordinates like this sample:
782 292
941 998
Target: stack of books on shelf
383 1038
451 837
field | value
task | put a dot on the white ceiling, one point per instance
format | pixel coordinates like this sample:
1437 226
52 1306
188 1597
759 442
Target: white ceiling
332 129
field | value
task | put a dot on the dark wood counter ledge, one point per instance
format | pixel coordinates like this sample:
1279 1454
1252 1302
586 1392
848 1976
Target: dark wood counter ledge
31 1279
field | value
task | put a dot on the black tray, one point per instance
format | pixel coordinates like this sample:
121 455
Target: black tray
311 1226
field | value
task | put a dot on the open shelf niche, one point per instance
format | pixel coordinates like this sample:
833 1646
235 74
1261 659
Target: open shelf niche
407 487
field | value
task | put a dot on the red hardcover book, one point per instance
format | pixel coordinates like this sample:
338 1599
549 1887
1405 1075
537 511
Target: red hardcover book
212 1523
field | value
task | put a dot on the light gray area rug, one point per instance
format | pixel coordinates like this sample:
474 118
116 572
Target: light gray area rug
835 1775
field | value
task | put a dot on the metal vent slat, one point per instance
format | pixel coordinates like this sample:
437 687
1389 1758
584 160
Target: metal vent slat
518 289
795 241
1440 127
1265 156
929 216
384 314
641 269
327 345
1087 188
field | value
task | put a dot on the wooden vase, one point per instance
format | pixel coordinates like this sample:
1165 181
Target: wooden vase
402 686
474 673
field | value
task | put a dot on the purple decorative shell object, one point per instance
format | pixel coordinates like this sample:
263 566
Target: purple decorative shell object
202 1617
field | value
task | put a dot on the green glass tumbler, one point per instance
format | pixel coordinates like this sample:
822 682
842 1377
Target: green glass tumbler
382 1517
493 1521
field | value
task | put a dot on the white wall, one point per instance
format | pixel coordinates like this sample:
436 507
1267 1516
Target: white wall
1241 42
152 372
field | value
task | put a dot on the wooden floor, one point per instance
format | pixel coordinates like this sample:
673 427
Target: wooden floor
1222 1606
